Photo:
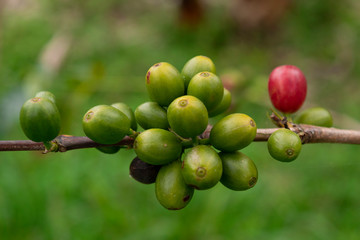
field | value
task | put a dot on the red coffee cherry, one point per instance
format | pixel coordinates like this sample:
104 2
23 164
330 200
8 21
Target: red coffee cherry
287 88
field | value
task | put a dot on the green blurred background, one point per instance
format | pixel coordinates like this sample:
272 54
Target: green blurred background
97 52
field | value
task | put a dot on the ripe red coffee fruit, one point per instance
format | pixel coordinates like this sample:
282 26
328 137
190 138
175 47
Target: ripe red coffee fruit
287 88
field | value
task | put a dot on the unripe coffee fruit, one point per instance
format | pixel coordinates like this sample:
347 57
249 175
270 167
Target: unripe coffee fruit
151 115
284 145
40 119
195 65
157 146
317 116
239 171
201 167
105 124
109 149
187 116
125 109
223 105
46 94
170 189
164 83
233 132
207 87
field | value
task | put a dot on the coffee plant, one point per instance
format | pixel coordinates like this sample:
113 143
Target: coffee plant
178 150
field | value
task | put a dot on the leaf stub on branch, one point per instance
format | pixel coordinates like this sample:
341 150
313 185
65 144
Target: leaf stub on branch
307 133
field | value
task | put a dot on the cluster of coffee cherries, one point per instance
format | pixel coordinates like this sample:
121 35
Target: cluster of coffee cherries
287 90
178 150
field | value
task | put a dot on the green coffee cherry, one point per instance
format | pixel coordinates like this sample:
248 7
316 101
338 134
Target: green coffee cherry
187 116
40 119
170 189
125 109
151 115
223 105
164 83
46 94
239 171
207 87
233 132
284 145
108 149
105 124
201 167
143 172
157 146
317 116
195 65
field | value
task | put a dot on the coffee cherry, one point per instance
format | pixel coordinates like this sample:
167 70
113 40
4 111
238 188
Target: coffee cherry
207 87
157 146
46 94
239 171
195 65
201 167
233 132
108 149
125 109
143 172
40 119
105 124
223 105
151 115
284 145
317 116
287 88
170 189
187 116
164 83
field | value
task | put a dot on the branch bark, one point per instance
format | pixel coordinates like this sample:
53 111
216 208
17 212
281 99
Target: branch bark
307 133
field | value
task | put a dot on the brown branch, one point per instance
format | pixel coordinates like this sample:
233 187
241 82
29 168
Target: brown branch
314 134
64 143
308 134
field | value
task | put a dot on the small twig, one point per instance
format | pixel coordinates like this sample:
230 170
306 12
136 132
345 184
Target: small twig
314 134
64 142
308 134
21 145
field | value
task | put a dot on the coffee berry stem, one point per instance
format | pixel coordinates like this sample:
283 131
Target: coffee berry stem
187 143
204 141
132 133
307 133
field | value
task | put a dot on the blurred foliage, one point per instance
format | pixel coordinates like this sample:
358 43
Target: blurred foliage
85 194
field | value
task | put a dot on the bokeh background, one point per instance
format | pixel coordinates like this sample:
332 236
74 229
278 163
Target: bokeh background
97 52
